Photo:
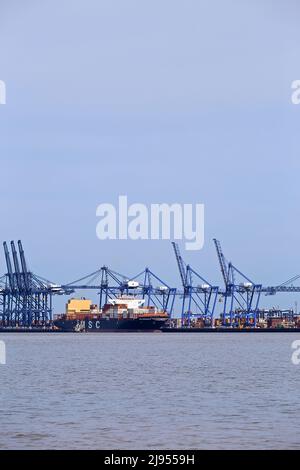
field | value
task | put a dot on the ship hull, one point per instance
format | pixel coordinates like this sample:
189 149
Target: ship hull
230 330
111 325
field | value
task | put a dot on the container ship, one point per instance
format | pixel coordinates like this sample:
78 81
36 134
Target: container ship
122 314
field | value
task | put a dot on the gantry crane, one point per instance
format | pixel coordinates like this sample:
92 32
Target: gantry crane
241 294
26 299
112 284
198 301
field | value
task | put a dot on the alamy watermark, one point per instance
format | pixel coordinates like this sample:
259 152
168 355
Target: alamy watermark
296 354
156 221
295 96
2 353
2 92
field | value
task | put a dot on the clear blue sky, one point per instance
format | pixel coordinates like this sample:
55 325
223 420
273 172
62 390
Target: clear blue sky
165 101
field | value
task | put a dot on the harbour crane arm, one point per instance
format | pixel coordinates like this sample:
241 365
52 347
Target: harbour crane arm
16 264
180 263
9 266
23 264
222 261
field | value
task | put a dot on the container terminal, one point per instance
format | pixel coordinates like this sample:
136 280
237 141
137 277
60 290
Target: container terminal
142 303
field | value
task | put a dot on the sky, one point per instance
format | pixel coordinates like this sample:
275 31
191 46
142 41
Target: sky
172 101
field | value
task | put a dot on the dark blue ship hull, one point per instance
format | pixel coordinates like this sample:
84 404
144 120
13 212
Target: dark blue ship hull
111 325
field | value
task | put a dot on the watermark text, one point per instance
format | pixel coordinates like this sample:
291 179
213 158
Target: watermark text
157 221
295 96
2 92
296 354
2 353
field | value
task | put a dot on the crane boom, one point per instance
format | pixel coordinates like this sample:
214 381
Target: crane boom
23 264
180 263
222 261
9 266
22 256
16 264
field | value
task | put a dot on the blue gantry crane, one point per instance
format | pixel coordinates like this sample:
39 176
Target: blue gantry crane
111 284
198 301
241 295
287 286
107 282
26 299
161 295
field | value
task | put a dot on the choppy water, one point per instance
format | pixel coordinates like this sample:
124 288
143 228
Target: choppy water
135 391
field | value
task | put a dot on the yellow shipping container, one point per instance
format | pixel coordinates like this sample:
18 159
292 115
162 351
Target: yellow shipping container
78 306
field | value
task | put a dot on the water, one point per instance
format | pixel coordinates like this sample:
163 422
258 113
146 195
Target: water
149 391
